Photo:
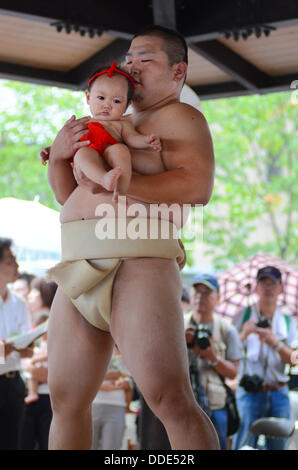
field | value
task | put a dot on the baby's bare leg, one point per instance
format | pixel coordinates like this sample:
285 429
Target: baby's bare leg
118 155
32 391
91 164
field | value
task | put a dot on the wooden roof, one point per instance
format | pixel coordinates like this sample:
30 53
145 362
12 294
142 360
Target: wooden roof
32 49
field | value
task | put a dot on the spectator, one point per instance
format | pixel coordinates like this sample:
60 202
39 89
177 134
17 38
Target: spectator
21 286
38 412
40 298
214 351
109 406
14 319
267 335
185 300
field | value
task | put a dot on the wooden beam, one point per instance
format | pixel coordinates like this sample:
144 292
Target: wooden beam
113 15
207 19
230 89
196 20
164 13
232 64
35 75
113 52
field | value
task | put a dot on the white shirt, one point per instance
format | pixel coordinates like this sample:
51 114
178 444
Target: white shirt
110 397
261 359
14 319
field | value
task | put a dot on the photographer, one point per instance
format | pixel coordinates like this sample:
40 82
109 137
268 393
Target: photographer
214 351
267 335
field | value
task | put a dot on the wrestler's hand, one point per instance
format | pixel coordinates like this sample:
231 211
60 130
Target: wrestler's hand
67 141
154 142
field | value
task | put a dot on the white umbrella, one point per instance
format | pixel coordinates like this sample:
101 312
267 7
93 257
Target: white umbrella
30 224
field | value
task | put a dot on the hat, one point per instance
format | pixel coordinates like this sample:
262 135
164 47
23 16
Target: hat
269 271
208 280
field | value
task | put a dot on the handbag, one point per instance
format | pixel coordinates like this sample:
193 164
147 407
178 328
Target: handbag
232 410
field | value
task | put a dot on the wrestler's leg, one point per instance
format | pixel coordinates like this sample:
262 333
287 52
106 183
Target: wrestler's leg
118 155
147 326
78 356
91 164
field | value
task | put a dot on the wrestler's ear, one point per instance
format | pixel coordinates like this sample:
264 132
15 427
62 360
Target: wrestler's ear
179 71
127 104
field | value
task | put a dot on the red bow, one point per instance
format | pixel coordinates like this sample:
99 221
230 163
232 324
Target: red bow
113 69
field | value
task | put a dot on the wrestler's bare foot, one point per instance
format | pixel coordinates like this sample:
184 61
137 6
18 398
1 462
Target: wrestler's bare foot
109 180
32 397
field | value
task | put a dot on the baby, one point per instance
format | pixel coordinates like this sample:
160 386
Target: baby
108 94
39 360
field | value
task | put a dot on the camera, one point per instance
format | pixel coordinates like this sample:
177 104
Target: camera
251 383
263 323
201 339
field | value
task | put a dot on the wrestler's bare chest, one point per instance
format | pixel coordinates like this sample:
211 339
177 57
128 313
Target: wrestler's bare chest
148 162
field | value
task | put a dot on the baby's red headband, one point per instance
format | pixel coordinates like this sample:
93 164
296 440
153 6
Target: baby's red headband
113 69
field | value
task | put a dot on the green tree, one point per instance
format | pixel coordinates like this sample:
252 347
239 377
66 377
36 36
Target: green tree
28 126
255 141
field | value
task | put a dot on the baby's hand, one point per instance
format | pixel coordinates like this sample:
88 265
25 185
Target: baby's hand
44 155
154 142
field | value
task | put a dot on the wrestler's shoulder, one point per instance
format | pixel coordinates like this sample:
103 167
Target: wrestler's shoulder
183 118
182 111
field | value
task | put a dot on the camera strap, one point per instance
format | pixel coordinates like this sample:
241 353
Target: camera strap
197 386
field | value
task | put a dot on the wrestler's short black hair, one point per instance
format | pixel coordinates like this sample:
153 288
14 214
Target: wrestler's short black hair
130 89
4 244
174 43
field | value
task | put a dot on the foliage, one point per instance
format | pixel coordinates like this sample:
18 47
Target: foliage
256 146
255 141
31 123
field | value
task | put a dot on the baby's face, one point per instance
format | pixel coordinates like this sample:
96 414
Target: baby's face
108 97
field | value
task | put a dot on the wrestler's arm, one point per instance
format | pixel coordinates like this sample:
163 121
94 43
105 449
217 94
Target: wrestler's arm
66 143
188 156
135 140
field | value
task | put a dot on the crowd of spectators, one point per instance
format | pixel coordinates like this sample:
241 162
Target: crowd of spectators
252 351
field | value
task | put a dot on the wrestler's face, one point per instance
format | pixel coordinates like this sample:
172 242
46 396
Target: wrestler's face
108 97
155 79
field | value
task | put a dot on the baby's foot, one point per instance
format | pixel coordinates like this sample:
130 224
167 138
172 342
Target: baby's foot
31 398
110 179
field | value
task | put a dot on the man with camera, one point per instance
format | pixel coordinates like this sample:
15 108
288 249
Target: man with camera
214 351
267 334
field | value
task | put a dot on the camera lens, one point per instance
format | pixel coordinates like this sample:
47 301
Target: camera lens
203 342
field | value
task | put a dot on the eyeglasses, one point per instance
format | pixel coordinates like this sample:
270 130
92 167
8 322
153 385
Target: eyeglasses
203 291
